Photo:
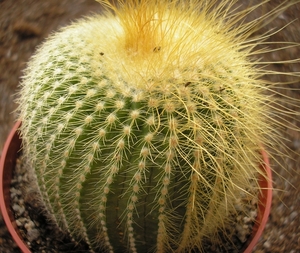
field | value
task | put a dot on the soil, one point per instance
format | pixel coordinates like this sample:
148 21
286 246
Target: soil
24 24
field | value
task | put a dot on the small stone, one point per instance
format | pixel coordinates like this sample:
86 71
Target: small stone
18 209
253 214
293 215
246 219
20 179
29 225
19 223
267 244
33 234
241 233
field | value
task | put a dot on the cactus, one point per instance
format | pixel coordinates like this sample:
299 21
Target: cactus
143 125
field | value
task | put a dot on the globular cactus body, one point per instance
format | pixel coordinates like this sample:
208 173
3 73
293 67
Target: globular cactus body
143 128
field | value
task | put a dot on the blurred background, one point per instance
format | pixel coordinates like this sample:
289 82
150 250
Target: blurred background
24 24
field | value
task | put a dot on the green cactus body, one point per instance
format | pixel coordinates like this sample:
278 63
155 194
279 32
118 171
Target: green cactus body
141 141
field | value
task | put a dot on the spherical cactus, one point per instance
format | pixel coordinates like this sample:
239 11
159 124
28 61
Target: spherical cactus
143 126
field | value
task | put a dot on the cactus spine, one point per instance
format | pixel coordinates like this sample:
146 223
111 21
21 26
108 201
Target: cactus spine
144 126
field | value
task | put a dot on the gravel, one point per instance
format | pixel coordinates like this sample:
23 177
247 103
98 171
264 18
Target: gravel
40 234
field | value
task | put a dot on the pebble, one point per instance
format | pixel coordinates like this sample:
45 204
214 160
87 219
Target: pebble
29 225
18 209
33 234
293 215
267 244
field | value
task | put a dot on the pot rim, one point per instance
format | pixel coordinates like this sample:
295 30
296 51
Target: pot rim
13 145
264 205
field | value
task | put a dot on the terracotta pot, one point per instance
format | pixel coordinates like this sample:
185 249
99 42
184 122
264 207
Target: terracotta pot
264 206
7 164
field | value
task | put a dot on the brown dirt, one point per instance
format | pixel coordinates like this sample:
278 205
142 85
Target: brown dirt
24 24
